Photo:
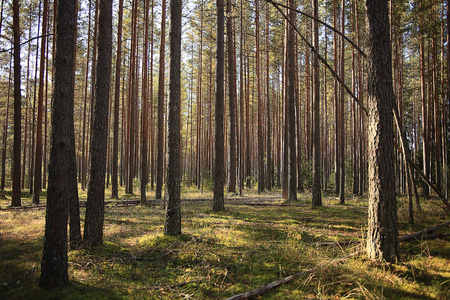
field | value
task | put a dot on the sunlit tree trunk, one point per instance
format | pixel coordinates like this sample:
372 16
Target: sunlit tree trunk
231 100
290 64
62 166
160 137
115 154
172 225
382 238
38 151
93 229
317 192
219 171
144 115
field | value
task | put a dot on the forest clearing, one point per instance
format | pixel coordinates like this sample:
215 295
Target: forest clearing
257 240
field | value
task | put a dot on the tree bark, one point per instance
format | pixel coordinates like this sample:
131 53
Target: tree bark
382 238
218 203
115 154
160 136
290 59
260 138
16 197
93 229
317 193
38 152
144 112
232 100
62 165
172 224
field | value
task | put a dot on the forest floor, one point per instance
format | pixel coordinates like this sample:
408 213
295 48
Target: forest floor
257 240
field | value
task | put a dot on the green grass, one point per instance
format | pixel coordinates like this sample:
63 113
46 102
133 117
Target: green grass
223 254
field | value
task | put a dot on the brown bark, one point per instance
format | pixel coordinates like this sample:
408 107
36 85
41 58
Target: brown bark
290 101
231 100
144 115
93 229
38 150
172 225
83 169
219 171
62 166
260 138
115 154
16 197
317 192
382 237
269 167
5 130
160 136
342 113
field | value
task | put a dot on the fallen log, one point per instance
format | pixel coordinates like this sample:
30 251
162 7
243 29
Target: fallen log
422 233
267 287
274 284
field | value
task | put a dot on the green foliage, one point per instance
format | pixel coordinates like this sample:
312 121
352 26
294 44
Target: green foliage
222 254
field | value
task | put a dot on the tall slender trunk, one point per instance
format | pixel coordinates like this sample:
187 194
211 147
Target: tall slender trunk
115 154
93 229
5 130
342 113
232 100
260 138
268 110
172 225
199 107
38 152
144 115
317 195
290 62
219 171
16 197
160 137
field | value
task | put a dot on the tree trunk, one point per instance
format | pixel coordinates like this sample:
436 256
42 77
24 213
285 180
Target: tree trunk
16 197
218 204
93 229
5 131
268 110
232 100
317 195
38 152
160 138
144 115
290 59
115 154
342 114
382 238
172 225
261 182
62 165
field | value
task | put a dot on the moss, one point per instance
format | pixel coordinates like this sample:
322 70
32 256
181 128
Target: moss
222 254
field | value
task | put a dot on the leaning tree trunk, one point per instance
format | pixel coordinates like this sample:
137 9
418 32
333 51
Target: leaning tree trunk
382 238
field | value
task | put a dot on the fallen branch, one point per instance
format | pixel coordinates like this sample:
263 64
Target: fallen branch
267 287
422 233
337 243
